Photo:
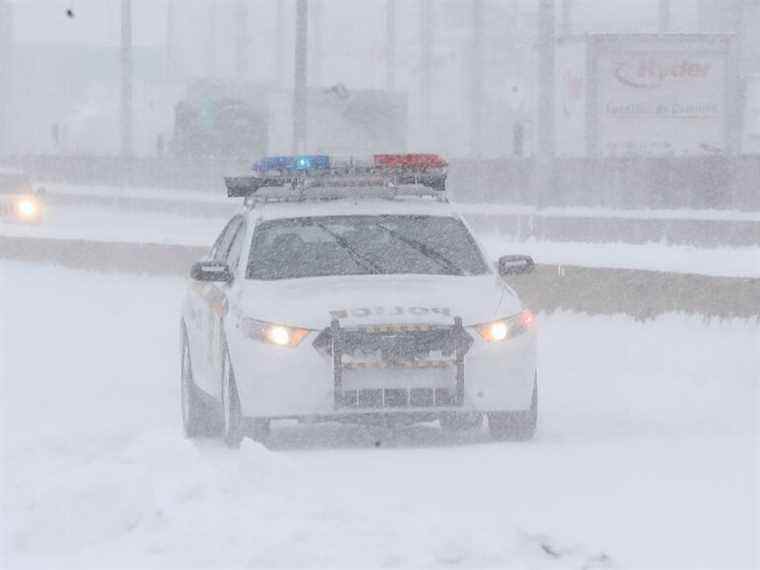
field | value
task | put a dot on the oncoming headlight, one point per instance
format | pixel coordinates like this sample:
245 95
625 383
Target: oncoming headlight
271 333
507 328
27 208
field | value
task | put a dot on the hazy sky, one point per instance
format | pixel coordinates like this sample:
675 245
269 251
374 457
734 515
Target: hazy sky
96 22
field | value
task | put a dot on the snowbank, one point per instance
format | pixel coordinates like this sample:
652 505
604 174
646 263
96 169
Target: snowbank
722 261
646 453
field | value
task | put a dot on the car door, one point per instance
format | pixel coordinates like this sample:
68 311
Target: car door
198 314
218 297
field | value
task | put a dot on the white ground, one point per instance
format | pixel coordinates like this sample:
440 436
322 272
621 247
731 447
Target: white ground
646 457
719 261
612 213
115 225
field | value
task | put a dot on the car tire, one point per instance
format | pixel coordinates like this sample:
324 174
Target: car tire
515 426
232 418
453 422
197 421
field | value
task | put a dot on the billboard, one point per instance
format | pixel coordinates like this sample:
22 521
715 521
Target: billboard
661 98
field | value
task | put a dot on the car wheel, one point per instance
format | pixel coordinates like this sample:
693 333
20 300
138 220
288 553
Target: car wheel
196 420
454 422
232 430
515 426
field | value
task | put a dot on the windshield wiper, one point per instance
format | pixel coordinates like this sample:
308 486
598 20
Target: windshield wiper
425 250
357 257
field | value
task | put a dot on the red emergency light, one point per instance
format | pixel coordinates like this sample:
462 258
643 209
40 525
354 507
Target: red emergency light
411 161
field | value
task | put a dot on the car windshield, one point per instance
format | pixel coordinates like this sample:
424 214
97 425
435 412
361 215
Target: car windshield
363 245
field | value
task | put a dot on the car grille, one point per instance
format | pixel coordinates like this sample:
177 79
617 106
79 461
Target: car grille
396 398
409 346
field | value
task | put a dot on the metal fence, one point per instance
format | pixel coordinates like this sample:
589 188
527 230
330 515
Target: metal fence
620 183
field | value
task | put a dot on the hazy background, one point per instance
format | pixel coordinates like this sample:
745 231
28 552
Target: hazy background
65 68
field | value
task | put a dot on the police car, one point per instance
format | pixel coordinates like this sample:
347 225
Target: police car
19 201
354 292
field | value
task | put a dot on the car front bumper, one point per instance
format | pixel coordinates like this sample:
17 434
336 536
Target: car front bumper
300 382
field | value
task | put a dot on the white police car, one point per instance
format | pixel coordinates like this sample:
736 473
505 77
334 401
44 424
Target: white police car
353 292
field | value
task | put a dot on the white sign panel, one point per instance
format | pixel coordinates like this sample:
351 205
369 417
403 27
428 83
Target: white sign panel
661 102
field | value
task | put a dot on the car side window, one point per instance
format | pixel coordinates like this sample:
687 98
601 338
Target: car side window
221 248
236 248
217 244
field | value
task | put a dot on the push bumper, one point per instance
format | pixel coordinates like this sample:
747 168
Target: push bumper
326 376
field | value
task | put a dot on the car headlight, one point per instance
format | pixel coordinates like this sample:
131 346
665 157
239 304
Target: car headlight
27 208
507 328
271 333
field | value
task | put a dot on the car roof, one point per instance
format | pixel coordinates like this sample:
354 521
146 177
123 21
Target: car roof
348 207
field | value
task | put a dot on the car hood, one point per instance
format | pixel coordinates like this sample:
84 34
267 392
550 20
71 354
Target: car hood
378 299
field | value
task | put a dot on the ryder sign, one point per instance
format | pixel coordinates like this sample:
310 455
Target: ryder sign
661 102
645 95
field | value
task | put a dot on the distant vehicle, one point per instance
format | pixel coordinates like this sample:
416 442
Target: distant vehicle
19 201
353 292
218 126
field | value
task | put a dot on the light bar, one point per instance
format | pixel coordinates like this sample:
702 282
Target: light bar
311 162
303 172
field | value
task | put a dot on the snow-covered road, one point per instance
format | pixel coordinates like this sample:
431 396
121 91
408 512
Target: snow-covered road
647 453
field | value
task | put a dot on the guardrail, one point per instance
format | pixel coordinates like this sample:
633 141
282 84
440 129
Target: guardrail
641 294
637 182
621 183
704 233
612 226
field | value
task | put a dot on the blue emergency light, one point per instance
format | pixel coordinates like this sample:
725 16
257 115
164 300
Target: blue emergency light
293 163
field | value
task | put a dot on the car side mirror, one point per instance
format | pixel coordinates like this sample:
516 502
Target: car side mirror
213 271
515 264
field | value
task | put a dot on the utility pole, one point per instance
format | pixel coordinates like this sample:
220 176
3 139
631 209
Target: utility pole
737 27
390 45
126 79
737 69
211 41
300 116
567 17
663 26
545 175
702 21
242 39
6 75
171 40
317 45
426 71
280 45
476 78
